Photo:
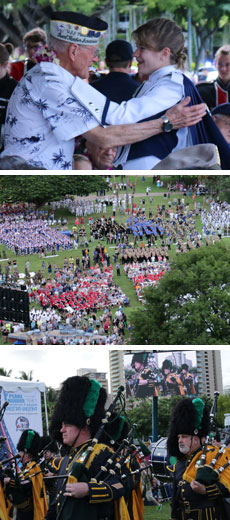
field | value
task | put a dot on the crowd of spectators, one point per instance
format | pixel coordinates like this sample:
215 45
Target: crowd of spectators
146 274
74 290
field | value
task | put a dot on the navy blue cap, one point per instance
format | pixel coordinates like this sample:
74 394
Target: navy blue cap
119 50
223 109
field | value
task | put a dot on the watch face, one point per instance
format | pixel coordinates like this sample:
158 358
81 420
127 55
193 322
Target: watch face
167 127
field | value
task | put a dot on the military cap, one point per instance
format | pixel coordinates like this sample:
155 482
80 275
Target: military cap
29 442
197 157
189 417
119 50
184 366
81 402
223 109
167 364
77 28
46 443
139 357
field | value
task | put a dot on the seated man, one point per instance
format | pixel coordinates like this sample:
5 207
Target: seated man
101 158
221 116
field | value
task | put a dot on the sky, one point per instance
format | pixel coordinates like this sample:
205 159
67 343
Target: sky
54 364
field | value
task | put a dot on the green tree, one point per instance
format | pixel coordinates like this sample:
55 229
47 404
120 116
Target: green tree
207 16
191 304
5 373
20 16
142 414
223 406
26 376
220 185
40 189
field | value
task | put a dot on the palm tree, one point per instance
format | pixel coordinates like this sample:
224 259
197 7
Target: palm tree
25 376
5 373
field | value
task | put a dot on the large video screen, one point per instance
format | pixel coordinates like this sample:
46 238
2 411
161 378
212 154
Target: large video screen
161 374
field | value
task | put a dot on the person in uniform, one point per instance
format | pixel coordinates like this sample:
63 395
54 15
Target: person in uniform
171 383
187 380
216 92
118 85
52 104
49 449
221 116
146 380
117 430
27 491
5 505
76 419
199 491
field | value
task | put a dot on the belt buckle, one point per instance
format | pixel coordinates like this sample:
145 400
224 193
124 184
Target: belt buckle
187 507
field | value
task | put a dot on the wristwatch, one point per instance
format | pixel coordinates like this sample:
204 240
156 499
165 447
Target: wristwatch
167 126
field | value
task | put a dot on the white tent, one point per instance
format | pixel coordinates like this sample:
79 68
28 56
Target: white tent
20 403
9 383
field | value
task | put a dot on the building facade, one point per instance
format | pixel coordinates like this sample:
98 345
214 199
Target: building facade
92 373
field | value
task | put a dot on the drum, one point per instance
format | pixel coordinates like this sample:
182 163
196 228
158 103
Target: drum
159 458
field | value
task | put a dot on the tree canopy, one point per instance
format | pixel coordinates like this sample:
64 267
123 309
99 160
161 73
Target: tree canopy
5 373
40 189
191 304
141 414
207 18
20 16
220 184
26 376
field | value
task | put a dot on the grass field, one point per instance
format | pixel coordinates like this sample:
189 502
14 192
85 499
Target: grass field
151 513
122 281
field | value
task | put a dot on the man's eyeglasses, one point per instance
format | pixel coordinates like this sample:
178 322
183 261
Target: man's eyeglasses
225 121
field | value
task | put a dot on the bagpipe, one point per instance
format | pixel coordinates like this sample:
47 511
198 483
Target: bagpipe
78 470
113 457
212 464
9 466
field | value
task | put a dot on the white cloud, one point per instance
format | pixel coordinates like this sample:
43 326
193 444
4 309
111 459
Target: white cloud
53 364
